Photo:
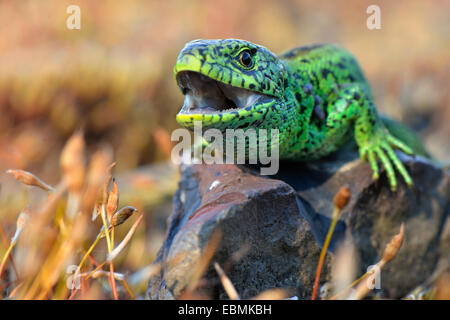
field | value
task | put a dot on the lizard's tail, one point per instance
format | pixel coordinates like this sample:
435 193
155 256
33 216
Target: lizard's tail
405 134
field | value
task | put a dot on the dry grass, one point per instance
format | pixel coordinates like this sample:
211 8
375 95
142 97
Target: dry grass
51 237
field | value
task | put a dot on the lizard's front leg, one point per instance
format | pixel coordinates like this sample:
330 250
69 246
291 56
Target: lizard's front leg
373 139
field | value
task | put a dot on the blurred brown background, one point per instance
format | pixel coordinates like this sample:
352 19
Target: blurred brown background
113 78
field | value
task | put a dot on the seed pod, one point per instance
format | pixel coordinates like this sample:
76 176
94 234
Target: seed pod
113 200
73 162
342 197
29 179
97 176
103 198
113 254
394 246
122 215
20 224
96 211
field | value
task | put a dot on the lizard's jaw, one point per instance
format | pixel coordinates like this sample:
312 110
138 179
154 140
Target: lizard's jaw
204 95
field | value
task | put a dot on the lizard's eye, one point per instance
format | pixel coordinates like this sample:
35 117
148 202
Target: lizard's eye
245 58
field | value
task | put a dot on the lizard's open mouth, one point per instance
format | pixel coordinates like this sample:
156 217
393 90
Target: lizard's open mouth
206 95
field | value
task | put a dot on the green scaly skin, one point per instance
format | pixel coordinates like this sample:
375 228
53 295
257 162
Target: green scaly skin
319 99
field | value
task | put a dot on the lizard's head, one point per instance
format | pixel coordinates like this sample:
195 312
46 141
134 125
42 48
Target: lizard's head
227 83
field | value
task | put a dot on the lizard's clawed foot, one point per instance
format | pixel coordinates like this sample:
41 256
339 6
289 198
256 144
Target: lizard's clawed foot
381 147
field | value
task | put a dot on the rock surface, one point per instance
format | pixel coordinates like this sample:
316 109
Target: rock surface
277 225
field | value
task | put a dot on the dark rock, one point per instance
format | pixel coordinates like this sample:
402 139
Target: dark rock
282 219
251 212
375 213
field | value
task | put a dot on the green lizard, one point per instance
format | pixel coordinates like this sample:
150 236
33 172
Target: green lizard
316 96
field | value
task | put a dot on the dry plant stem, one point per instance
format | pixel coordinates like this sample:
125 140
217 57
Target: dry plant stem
112 238
363 289
95 270
74 292
108 242
39 221
117 250
390 252
59 227
324 251
354 283
128 289
14 291
5 242
105 228
93 261
102 273
80 265
96 273
113 280
226 283
43 215
62 254
50 271
99 236
125 241
20 224
5 256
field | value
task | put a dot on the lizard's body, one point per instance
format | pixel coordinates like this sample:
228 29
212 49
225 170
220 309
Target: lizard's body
316 96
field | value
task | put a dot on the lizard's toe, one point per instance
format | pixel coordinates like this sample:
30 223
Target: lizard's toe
399 144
